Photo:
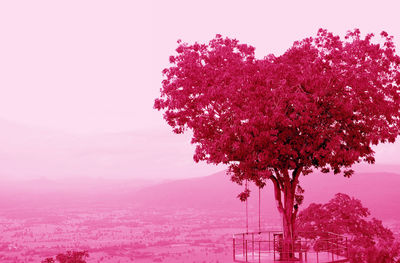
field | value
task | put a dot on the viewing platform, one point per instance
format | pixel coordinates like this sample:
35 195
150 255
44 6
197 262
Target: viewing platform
266 247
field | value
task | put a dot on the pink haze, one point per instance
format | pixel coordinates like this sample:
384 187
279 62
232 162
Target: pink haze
88 164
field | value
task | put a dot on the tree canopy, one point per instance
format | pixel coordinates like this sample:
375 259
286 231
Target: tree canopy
322 104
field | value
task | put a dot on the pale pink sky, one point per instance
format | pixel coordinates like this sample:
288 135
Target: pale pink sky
90 67
93 66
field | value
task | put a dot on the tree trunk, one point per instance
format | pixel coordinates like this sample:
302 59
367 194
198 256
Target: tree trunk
288 235
285 185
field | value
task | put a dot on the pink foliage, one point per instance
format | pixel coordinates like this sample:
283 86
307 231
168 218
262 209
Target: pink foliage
69 257
322 104
369 240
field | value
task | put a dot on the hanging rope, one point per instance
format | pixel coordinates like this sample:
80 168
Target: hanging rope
247 212
259 209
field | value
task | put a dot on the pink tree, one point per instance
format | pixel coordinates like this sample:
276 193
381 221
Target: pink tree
69 257
320 105
369 240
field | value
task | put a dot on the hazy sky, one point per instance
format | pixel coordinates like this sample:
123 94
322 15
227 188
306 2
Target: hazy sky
95 66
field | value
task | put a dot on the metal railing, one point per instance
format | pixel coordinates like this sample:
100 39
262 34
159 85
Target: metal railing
268 246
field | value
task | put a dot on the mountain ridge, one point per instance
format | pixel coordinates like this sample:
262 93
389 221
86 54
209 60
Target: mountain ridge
376 190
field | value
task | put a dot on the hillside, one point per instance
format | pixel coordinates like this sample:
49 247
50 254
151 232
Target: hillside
31 152
215 191
378 191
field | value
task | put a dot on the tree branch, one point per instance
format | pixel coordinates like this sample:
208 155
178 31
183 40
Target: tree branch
295 175
277 190
295 179
279 178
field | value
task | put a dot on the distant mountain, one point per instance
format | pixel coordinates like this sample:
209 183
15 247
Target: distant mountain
210 192
71 192
377 191
29 152
74 165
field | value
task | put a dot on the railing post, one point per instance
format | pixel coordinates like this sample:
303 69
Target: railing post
273 248
243 245
246 250
234 252
252 240
269 241
337 248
